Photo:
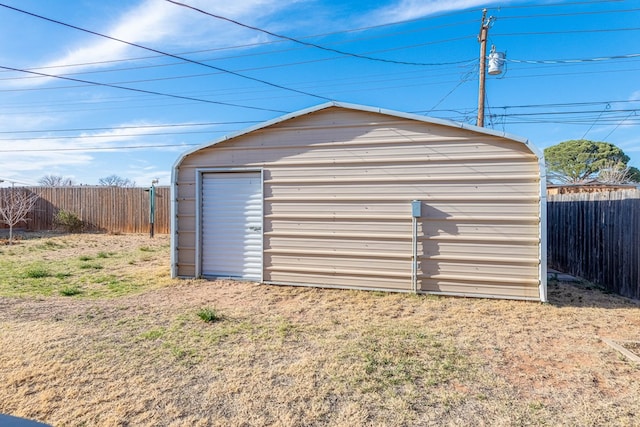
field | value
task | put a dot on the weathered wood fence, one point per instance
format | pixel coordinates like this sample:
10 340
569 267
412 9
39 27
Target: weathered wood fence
103 209
596 236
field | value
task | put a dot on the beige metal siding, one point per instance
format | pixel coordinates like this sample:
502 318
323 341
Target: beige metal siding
337 190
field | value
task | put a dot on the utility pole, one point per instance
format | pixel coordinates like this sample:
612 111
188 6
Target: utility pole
482 38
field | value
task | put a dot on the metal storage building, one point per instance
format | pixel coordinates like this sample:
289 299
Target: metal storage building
348 196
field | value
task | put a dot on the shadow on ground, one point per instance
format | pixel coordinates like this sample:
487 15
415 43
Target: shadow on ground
581 293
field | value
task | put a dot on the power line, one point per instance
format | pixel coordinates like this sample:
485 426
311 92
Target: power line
598 119
540 33
572 61
560 122
572 14
570 104
575 3
606 107
465 78
338 51
180 76
335 81
131 127
360 29
167 54
581 73
608 64
264 67
633 113
309 44
141 58
172 64
41 138
141 90
248 45
235 91
128 147
253 91
159 146
250 122
559 113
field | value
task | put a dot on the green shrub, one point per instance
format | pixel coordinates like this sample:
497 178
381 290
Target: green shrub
69 291
209 315
68 221
91 266
37 272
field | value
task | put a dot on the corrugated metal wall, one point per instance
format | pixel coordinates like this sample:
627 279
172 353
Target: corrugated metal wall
338 185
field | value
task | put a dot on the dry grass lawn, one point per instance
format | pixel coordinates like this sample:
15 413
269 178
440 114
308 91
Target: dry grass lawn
93 332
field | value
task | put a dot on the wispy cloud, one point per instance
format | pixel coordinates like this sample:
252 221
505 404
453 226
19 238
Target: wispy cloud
142 172
17 121
29 167
154 23
412 9
46 156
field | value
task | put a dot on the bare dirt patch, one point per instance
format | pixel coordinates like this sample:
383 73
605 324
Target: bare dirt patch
302 356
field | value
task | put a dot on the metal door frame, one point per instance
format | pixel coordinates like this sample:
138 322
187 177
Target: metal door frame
200 172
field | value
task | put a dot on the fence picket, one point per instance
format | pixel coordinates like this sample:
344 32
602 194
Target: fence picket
596 236
103 209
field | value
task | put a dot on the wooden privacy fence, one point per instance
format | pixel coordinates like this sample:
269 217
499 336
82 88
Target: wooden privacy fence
596 236
103 209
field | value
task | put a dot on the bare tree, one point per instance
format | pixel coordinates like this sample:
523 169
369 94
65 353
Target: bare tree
15 204
55 181
116 181
615 173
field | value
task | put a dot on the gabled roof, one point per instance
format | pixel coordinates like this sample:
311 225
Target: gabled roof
368 109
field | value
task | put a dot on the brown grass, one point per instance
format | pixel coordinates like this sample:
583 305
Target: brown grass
301 356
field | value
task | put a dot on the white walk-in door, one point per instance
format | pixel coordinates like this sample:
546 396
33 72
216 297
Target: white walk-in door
232 225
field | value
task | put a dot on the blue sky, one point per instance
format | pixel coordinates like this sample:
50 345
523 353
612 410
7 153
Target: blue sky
572 71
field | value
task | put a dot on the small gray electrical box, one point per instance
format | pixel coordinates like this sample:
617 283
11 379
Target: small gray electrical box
416 208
